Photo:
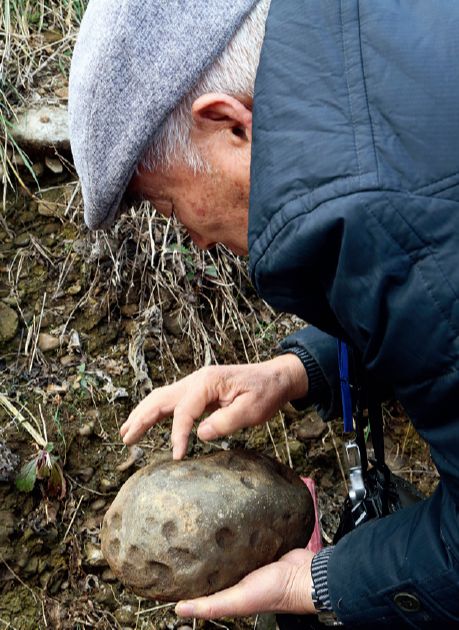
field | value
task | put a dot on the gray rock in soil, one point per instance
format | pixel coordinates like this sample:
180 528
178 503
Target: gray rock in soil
8 323
43 128
184 529
8 463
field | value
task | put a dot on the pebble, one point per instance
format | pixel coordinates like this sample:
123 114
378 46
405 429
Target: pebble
47 342
68 359
42 128
126 615
98 504
135 453
54 165
129 310
94 556
85 474
87 429
109 576
107 485
47 208
38 169
9 323
22 240
312 427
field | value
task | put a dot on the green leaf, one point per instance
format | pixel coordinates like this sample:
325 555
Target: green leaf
211 271
27 476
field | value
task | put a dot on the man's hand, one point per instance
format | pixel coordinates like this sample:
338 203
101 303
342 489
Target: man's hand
283 586
236 396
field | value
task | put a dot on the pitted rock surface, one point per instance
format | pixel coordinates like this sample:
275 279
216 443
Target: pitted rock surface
184 529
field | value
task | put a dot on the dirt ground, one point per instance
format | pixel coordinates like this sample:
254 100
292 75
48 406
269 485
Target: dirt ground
101 320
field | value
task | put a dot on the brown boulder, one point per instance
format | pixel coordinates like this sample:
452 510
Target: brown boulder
184 529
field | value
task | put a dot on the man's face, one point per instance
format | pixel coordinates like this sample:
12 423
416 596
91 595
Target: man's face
212 206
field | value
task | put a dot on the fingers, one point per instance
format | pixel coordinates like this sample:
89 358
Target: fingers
258 592
242 412
282 586
156 406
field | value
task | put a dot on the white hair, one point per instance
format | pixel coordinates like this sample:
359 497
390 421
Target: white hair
232 73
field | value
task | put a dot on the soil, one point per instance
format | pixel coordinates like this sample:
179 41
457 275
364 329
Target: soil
119 330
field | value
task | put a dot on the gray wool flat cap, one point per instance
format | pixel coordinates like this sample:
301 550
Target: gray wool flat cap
133 62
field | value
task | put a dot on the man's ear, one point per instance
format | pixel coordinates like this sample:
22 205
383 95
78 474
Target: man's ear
214 112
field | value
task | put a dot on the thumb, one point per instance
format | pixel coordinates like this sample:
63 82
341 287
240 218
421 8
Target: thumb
227 420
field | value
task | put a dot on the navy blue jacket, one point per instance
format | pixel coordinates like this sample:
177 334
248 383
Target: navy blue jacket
354 227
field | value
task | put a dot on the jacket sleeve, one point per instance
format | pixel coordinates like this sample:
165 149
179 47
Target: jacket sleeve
317 352
397 300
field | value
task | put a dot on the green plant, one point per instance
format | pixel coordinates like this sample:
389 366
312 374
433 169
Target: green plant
44 466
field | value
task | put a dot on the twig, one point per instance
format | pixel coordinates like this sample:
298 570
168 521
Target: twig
148 610
17 415
16 576
37 332
286 439
73 517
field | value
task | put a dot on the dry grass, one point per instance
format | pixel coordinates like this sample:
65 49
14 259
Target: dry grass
35 54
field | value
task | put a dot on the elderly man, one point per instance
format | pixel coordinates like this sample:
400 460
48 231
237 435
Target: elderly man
337 171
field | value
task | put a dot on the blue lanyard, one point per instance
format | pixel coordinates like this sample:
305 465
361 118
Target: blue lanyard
343 362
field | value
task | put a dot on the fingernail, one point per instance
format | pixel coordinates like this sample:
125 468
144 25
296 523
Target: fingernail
185 609
206 432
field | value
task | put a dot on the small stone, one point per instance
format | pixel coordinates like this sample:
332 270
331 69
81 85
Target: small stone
98 504
94 556
74 289
31 566
182 529
135 453
87 429
85 474
42 128
311 427
104 595
9 323
108 576
62 93
38 169
47 208
47 342
22 240
108 485
173 323
126 615
69 359
296 448
129 310
54 165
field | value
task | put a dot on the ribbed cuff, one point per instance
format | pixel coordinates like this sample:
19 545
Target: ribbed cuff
317 384
319 569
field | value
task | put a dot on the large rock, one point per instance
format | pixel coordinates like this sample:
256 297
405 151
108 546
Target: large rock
184 529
